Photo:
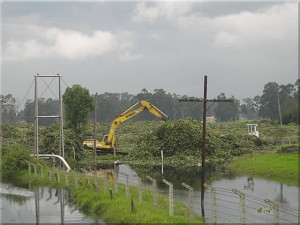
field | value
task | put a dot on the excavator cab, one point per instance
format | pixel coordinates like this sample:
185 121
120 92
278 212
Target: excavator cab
105 139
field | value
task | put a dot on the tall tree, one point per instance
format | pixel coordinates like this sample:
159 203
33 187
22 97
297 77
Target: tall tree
269 101
78 103
9 107
227 111
297 92
249 109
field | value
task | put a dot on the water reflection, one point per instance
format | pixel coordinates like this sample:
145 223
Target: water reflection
40 206
250 184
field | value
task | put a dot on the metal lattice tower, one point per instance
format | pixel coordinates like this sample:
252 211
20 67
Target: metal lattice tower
37 116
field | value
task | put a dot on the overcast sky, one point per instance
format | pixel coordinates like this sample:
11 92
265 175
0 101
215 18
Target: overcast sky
127 46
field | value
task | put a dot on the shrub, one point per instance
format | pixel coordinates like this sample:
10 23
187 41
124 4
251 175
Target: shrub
14 158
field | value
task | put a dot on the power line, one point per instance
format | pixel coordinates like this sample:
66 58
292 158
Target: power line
65 82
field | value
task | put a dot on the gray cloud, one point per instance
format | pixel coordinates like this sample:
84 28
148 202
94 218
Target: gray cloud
124 47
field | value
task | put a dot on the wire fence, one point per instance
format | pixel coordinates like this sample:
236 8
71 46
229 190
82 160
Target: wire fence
221 205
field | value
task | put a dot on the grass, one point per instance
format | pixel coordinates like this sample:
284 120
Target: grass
282 167
97 203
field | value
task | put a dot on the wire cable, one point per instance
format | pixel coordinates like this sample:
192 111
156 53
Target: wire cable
12 117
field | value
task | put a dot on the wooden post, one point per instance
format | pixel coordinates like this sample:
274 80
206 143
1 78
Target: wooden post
203 151
95 154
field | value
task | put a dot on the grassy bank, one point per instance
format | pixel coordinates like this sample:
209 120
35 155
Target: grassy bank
97 201
281 167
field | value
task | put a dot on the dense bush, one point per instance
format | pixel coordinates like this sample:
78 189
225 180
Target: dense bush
14 158
183 138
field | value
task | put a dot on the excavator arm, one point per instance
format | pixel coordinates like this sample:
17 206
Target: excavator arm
110 139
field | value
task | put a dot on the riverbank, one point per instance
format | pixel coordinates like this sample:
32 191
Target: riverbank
281 167
110 206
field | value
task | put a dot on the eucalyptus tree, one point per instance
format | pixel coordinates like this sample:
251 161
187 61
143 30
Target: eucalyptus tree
269 101
227 111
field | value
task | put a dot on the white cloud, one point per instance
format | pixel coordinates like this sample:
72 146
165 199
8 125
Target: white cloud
73 44
274 23
152 11
278 22
69 44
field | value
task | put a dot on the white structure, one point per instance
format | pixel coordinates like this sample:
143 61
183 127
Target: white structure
253 129
68 168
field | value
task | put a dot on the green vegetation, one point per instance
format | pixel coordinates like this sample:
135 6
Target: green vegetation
282 167
120 205
91 199
78 103
181 141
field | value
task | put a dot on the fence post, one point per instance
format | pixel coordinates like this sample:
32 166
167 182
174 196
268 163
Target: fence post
242 205
171 202
58 176
116 182
213 204
106 182
34 166
127 185
66 178
29 168
191 196
140 190
154 191
42 171
95 179
50 175
275 206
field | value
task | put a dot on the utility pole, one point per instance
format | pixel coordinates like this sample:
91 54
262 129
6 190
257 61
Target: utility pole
279 109
95 117
203 152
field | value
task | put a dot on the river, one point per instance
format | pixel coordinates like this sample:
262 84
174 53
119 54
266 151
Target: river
42 205
50 205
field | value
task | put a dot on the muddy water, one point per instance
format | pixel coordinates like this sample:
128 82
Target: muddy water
227 204
39 206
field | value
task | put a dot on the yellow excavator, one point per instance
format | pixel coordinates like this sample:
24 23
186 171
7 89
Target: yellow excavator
108 144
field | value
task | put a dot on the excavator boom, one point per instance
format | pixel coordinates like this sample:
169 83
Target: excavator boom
109 140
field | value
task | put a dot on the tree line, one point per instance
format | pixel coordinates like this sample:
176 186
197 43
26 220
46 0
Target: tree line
277 102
